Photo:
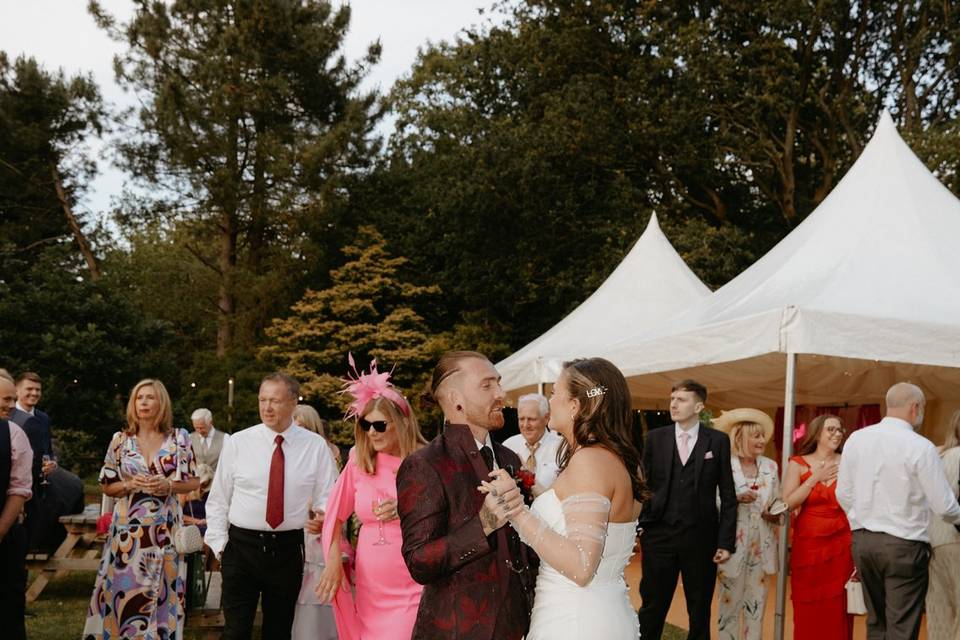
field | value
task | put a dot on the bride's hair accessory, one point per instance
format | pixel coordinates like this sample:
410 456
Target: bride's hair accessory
596 391
368 386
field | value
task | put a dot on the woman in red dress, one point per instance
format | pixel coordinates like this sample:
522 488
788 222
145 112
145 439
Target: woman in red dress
820 560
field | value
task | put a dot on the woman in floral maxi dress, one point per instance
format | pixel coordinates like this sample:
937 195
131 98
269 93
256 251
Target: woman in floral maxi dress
140 584
742 593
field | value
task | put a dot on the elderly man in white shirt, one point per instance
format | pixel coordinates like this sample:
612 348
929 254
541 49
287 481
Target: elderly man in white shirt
267 477
890 479
535 445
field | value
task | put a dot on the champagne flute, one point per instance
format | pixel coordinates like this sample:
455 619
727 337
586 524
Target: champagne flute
46 458
378 502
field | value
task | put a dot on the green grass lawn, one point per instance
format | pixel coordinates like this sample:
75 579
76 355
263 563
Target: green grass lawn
62 608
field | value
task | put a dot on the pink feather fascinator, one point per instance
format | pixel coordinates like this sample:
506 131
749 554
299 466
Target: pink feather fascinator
368 386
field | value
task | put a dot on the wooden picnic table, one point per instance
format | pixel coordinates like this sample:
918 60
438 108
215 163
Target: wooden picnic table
79 551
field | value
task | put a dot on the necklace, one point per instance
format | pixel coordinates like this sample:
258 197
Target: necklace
756 478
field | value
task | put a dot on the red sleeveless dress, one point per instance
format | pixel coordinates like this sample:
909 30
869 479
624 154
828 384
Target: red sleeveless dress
820 564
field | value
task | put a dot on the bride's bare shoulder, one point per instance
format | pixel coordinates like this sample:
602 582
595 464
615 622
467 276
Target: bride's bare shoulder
593 468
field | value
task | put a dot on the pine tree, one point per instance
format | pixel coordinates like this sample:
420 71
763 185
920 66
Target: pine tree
367 310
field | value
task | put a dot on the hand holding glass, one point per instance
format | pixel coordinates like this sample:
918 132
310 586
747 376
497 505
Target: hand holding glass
47 459
378 503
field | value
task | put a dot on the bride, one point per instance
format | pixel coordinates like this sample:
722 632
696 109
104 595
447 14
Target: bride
584 527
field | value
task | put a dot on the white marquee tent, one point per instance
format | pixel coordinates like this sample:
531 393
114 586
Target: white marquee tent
866 289
864 293
650 284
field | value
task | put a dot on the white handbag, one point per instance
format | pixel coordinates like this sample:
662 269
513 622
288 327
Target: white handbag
856 605
186 537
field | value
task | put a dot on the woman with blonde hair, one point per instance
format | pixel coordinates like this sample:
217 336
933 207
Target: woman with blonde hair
140 584
742 593
387 597
943 591
313 618
307 417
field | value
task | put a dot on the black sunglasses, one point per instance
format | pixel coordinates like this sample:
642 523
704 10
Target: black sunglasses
378 425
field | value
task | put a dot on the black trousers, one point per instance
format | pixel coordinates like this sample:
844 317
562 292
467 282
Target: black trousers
669 553
13 582
894 573
257 565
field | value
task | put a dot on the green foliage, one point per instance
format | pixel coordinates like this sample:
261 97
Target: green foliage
44 120
251 117
84 338
78 451
367 310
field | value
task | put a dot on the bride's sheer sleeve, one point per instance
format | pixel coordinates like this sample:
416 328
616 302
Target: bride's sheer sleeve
577 554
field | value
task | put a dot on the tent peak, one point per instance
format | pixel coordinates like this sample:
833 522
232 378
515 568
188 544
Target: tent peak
885 123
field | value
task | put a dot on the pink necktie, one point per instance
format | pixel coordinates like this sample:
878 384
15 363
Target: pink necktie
684 448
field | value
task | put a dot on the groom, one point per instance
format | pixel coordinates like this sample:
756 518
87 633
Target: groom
684 534
477 580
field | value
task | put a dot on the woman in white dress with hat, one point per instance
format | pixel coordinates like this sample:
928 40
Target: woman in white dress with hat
742 592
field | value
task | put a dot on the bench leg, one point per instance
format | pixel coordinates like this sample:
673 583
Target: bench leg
40 582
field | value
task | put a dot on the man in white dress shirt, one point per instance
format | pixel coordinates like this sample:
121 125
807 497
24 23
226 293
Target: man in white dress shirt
268 477
890 479
535 445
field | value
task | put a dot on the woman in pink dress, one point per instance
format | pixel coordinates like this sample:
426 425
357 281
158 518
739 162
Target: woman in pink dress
385 599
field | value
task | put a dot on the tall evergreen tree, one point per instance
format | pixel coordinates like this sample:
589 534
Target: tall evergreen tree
368 310
45 119
250 117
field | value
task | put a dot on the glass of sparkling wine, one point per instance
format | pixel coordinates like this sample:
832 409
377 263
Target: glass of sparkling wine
378 502
46 458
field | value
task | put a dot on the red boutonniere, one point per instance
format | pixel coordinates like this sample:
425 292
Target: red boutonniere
525 480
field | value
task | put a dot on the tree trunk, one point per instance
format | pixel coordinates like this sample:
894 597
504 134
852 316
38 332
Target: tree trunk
78 235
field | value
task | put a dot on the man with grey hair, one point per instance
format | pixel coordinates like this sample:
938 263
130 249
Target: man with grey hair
269 477
536 445
206 439
890 479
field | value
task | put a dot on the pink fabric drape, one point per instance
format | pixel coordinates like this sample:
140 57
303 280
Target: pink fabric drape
853 416
339 508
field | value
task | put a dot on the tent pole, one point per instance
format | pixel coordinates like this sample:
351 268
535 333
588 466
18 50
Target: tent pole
789 411
539 389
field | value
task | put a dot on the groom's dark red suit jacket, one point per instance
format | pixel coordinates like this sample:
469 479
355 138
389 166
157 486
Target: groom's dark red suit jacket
473 589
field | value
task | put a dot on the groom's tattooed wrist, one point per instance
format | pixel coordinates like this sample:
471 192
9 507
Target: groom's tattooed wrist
488 519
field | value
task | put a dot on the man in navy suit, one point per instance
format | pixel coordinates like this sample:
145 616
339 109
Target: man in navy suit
36 424
684 534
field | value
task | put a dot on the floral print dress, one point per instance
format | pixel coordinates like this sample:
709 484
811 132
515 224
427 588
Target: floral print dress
742 593
140 584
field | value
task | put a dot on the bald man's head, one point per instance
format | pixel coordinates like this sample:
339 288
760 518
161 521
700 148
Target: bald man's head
8 397
906 401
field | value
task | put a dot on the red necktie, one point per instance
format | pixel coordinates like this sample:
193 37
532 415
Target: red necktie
275 490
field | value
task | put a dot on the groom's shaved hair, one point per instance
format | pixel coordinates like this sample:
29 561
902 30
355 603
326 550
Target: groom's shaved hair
448 366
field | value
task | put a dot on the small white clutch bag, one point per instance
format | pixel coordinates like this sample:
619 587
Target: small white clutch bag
855 602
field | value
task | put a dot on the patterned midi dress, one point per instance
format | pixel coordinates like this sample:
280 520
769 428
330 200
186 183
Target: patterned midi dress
140 584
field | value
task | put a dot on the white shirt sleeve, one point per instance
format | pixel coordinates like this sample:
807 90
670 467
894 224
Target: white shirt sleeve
845 479
326 477
934 483
218 502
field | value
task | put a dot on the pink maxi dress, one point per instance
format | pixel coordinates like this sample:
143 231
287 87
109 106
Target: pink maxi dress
385 599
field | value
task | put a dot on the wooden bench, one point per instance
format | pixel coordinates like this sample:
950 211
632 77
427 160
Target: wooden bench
79 551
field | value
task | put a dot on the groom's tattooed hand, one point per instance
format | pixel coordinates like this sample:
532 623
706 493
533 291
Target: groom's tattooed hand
489 520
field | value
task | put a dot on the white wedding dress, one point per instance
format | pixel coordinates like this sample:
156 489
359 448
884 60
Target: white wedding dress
577 535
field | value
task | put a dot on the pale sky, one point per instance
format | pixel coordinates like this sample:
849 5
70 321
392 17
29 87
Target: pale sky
60 33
